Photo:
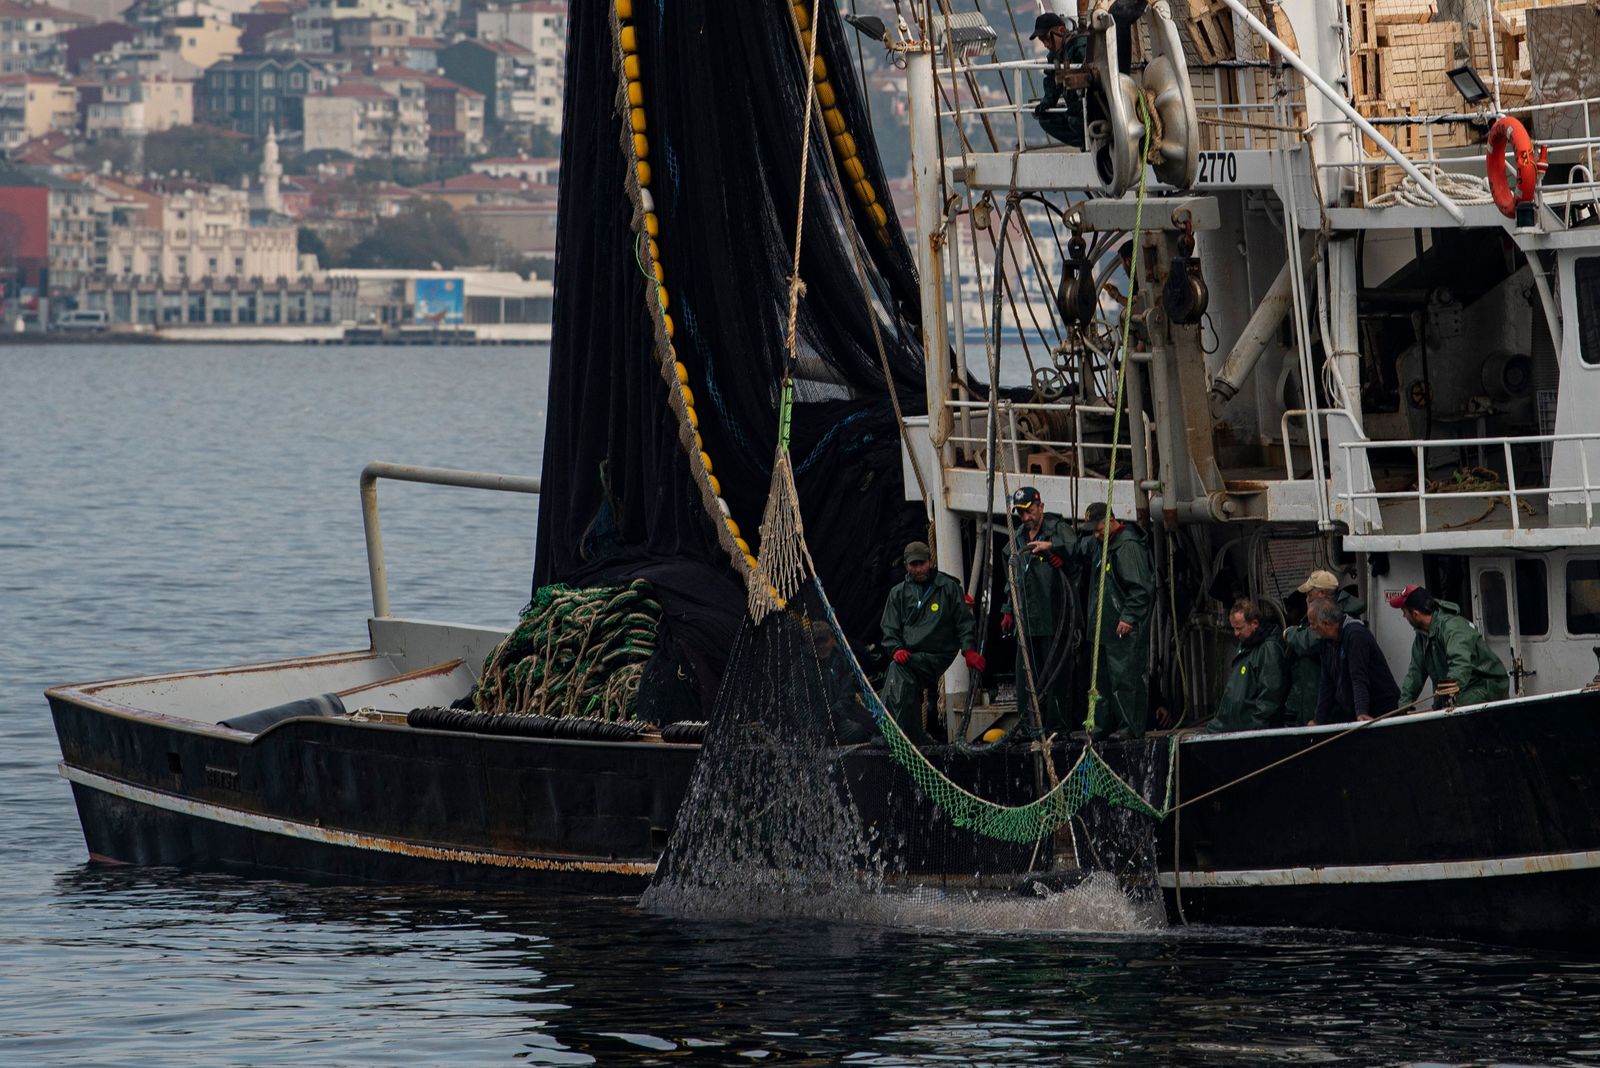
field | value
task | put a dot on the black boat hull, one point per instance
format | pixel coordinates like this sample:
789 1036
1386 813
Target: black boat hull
1483 823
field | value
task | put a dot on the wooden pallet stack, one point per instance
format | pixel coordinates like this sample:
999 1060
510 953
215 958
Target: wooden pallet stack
1228 99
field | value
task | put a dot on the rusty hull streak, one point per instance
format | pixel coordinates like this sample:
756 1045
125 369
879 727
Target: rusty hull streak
347 839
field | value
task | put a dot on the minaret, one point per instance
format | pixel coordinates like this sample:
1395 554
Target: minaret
271 171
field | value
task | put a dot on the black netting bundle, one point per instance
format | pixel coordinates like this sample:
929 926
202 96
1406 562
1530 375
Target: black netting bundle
724 94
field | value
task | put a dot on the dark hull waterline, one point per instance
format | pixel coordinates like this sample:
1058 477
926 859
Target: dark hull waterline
1483 823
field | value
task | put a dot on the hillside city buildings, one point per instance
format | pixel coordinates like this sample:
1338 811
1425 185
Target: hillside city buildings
217 162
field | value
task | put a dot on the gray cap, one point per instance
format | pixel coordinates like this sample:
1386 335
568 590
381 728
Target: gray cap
918 553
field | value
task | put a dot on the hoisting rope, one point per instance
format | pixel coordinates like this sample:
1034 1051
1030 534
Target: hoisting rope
1116 427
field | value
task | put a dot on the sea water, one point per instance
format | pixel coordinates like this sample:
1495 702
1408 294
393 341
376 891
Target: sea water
175 507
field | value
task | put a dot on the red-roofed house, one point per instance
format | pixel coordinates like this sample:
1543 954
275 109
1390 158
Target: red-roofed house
367 122
29 36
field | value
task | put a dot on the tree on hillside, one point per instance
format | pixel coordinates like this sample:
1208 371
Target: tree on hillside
207 154
424 233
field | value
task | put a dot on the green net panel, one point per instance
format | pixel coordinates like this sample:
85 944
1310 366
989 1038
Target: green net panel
575 652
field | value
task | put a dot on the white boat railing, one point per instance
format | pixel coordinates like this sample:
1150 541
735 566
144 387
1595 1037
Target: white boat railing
1515 497
1009 438
377 571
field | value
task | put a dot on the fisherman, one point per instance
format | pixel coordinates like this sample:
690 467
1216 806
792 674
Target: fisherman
1304 647
852 723
1449 652
925 622
1252 698
1060 111
1124 680
1356 681
1042 572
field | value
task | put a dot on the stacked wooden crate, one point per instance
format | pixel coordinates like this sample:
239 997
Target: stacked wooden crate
1228 99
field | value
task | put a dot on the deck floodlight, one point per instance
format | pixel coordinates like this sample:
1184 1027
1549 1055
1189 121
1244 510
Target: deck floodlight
964 36
1468 84
869 26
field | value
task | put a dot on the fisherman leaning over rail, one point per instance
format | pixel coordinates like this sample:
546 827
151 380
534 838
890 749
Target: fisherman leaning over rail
1304 647
1124 679
1042 571
1356 680
925 622
852 723
1449 652
1252 698
1060 111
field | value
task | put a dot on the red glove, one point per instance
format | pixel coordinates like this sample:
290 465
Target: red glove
1007 621
975 660
969 600
901 656
1056 562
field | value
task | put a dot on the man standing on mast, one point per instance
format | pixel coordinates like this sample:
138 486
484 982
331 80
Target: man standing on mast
925 622
1129 574
1042 602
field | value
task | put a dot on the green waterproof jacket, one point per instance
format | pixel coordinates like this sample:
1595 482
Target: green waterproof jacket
1130 580
1453 649
1037 589
1252 698
932 618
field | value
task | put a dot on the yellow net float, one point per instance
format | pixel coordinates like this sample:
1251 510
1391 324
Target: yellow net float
661 297
631 68
666 321
819 70
630 42
802 16
993 734
833 119
733 527
644 173
641 146
652 225
688 396
805 42
716 487
879 216
700 446
624 9
825 95
636 120
635 94
694 421
655 250
705 459
681 371
854 170
660 272
744 546
750 560
845 145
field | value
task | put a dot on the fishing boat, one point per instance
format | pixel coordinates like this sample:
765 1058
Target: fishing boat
1358 337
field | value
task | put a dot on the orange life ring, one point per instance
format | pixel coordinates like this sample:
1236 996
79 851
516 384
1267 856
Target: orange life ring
1527 166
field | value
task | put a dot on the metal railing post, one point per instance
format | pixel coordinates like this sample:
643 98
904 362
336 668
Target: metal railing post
1511 489
1422 489
377 571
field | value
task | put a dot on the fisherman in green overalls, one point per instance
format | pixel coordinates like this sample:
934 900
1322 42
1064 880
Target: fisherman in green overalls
1304 661
1449 652
1043 563
1252 696
1124 680
925 622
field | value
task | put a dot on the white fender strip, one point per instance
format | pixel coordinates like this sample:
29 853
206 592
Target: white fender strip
1357 874
348 839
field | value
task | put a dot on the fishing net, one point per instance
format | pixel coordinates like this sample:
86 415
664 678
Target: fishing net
728 353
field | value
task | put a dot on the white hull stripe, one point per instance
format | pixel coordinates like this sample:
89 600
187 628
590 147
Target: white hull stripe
348 839
1357 874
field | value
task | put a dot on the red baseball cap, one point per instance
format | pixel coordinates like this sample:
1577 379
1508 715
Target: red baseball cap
1399 600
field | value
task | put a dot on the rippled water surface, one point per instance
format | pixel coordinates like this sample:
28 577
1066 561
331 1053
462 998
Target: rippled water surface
166 509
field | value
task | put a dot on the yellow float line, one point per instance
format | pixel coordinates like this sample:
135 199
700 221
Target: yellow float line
844 145
628 44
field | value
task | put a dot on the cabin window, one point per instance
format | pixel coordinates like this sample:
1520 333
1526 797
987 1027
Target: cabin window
1496 610
1533 599
1586 287
1583 596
